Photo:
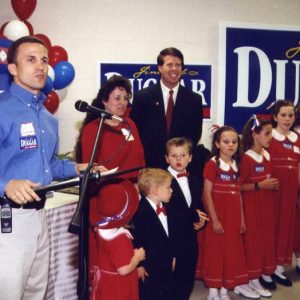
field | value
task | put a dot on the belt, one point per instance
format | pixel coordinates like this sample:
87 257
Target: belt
30 205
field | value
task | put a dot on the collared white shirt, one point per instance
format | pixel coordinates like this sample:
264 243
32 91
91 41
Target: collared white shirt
166 94
184 185
162 217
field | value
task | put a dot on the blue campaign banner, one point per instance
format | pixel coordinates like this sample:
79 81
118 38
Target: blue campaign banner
195 77
4 74
260 65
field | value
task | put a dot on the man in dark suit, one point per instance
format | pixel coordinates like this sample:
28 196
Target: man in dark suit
160 114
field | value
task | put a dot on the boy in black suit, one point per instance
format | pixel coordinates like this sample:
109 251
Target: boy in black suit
153 230
185 209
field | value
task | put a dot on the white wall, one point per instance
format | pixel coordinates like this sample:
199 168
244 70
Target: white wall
135 31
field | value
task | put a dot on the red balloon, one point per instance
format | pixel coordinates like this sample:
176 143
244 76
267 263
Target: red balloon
23 8
52 102
2 27
29 26
57 54
45 39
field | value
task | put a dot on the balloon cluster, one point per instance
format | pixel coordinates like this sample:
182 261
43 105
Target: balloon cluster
61 72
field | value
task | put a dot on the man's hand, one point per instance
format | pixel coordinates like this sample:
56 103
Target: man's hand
21 191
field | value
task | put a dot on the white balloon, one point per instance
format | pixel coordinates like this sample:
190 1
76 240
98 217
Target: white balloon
51 73
15 29
63 93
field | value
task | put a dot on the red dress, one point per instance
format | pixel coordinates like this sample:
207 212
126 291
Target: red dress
114 250
285 153
259 237
223 261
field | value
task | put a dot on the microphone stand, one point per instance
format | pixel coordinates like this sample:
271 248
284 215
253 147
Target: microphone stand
80 221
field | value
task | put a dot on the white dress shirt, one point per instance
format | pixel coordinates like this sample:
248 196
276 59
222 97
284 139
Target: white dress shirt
162 217
184 185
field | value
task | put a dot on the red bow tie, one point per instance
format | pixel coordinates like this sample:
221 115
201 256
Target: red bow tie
184 174
161 210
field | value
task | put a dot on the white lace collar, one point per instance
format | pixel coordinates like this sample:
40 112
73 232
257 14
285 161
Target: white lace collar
112 233
292 136
258 157
225 166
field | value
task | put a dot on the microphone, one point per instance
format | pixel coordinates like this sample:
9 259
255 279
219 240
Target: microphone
84 107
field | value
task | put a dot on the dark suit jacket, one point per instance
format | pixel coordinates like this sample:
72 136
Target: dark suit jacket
149 233
183 217
148 114
185 236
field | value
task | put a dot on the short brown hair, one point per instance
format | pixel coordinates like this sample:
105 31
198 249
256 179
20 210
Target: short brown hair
13 49
169 51
178 142
150 177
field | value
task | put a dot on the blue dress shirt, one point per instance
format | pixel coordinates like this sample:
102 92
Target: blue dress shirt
29 140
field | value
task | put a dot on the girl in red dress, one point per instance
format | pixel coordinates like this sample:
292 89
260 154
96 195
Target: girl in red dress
285 153
114 275
258 186
223 260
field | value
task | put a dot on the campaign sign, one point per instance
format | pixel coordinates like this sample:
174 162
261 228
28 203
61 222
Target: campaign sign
4 74
194 77
257 67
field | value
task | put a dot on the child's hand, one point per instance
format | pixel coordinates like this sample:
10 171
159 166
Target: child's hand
198 225
202 215
140 253
202 219
142 273
217 227
269 184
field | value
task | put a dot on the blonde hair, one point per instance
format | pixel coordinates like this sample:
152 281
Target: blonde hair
179 142
150 177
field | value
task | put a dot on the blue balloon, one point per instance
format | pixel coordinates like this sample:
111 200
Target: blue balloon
64 74
48 86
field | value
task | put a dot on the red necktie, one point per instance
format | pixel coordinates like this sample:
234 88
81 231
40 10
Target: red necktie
160 210
184 174
170 108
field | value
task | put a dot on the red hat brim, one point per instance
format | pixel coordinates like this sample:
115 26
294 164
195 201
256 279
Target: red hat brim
115 204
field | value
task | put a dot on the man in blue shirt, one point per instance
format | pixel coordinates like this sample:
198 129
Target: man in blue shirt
28 147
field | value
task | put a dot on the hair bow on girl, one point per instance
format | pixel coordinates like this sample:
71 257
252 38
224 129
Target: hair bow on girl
255 122
271 105
214 128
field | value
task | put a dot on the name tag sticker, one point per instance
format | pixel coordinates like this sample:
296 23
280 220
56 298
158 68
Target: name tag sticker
259 169
287 146
28 142
27 129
